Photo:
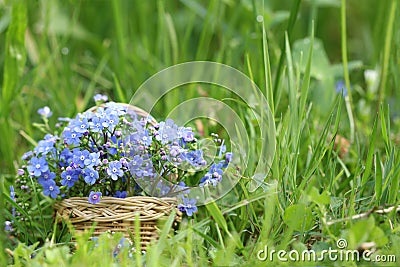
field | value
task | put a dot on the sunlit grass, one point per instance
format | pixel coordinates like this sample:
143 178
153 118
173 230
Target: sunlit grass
61 53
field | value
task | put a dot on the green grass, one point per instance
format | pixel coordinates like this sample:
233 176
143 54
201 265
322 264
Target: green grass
59 53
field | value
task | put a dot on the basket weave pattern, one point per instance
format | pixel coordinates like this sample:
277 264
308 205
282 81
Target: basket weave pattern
118 215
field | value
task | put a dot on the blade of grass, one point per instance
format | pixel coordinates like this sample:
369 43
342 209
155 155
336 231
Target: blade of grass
391 180
302 112
28 138
92 85
291 88
240 204
173 38
294 119
208 28
221 240
319 153
385 128
14 63
206 237
335 130
185 43
292 19
307 76
3 236
39 206
378 178
163 48
368 162
267 71
189 245
270 202
15 55
15 205
138 254
348 97
395 184
216 213
155 251
386 52
119 25
120 92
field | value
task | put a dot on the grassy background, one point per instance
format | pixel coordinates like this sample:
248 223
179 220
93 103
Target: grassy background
59 53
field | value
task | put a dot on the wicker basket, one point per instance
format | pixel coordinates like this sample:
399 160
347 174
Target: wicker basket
133 109
118 215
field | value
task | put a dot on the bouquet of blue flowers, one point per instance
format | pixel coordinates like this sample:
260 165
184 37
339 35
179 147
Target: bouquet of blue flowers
110 150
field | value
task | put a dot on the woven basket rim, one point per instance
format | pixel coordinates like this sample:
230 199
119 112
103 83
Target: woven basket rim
145 198
136 109
166 201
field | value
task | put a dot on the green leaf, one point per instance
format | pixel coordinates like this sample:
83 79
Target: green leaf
359 232
321 67
298 217
365 231
316 197
378 236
